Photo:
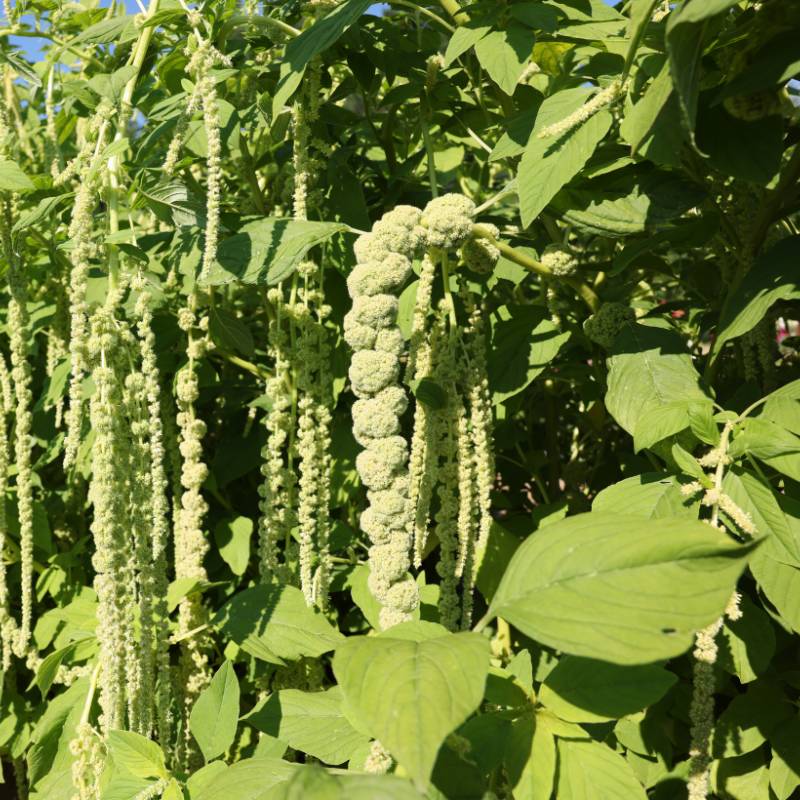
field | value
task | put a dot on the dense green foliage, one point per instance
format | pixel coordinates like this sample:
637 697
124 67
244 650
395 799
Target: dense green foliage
400 405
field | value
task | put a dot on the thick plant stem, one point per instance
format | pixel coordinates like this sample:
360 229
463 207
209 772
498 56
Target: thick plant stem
512 254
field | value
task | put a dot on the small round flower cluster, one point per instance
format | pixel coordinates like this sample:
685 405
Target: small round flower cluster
480 255
560 261
604 325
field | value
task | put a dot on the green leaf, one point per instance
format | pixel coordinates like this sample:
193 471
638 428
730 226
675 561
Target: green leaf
531 758
749 719
186 587
311 42
549 164
524 342
229 332
12 178
107 31
741 778
686 28
587 690
619 588
274 622
44 210
748 643
79 650
232 537
249 779
649 113
773 277
770 443
652 495
268 251
775 567
504 54
173 791
411 694
136 755
588 770
759 500
216 712
650 372
784 769
621 205
464 37
311 722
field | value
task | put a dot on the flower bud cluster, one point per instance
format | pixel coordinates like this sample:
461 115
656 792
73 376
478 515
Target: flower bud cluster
371 330
604 325
480 254
603 98
560 261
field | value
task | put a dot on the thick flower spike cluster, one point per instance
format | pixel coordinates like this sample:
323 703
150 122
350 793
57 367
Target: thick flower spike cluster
371 330
113 573
560 261
190 539
445 442
604 325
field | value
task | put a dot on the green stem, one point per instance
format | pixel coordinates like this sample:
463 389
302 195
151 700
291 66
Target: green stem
137 60
512 254
425 12
426 137
452 7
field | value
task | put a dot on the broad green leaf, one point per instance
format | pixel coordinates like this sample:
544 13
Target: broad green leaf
48 755
650 372
464 37
748 643
620 205
619 588
12 178
531 758
642 119
749 719
274 622
136 755
652 495
549 164
311 42
268 251
411 694
524 342
686 28
773 277
173 791
107 31
232 537
759 500
314 783
216 713
741 778
249 779
588 770
311 722
504 54
587 690
784 769
44 210
770 443
79 650
186 587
